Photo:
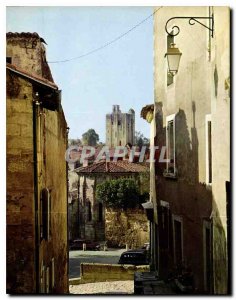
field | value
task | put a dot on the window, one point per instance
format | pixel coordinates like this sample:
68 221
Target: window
170 145
207 255
178 239
47 280
170 40
84 189
53 273
89 211
9 60
100 212
42 279
45 214
208 150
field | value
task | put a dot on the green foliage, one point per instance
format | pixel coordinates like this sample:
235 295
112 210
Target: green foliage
90 138
76 142
140 140
120 193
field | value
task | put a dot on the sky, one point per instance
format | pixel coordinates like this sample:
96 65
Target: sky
121 73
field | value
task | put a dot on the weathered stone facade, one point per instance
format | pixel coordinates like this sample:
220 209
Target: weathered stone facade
189 194
73 206
126 228
92 212
36 175
120 127
27 52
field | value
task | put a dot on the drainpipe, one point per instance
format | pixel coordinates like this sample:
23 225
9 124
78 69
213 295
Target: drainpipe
35 110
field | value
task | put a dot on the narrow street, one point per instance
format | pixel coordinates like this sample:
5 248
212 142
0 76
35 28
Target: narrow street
77 257
108 257
98 288
118 134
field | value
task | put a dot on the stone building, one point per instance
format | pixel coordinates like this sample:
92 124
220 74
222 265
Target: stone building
190 194
36 172
73 205
95 220
120 127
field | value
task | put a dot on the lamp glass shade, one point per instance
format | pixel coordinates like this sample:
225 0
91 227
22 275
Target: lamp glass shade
173 58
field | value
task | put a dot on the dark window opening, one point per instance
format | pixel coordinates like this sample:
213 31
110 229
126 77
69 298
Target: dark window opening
89 211
209 152
208 258
9 60
45 215
178 242
100 212
170 147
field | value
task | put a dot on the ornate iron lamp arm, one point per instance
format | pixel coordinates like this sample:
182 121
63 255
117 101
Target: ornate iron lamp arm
191 21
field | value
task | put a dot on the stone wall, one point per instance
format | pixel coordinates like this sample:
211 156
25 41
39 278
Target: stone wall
73 206
129 227
90 226
28 53
52 175
22 217
199 90
20 192
95 272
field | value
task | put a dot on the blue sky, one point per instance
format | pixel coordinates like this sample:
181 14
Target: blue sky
121 73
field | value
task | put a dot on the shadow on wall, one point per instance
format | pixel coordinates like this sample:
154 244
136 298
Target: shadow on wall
192 201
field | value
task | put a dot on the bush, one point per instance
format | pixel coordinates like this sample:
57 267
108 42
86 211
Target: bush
120 193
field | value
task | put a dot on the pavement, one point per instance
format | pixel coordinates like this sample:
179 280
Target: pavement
76 257
102 288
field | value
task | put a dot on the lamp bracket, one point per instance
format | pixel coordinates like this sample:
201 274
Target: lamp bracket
192 21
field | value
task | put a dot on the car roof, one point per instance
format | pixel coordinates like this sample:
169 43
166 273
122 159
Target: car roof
138 251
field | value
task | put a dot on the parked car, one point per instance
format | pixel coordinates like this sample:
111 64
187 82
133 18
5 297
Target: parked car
146 246
78 245
134 257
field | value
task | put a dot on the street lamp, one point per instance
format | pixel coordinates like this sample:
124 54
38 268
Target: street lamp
173 58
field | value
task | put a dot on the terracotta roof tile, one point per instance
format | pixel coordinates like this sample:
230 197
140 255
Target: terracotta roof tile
22 34
121 166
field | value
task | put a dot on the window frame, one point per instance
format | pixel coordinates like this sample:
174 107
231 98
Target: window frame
100 212
208 170
53 272
170 118
180 220
45 215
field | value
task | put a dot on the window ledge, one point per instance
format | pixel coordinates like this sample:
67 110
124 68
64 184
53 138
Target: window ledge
169 175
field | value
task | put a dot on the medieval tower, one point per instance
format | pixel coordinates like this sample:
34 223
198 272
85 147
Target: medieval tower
120 127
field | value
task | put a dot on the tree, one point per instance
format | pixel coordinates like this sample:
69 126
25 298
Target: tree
74 142
119 193
140 140
90 138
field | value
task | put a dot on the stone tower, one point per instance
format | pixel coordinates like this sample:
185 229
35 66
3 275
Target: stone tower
26 51
120 127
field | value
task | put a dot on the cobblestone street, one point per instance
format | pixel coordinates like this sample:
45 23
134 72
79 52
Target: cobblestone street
115 287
